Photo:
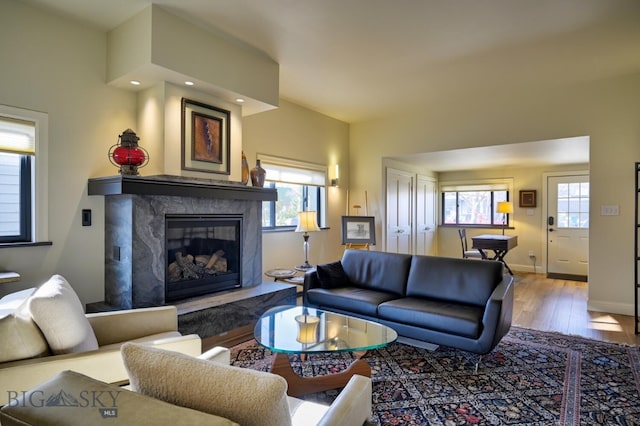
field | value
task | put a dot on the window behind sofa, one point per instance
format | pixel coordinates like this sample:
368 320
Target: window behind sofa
300 185
473 203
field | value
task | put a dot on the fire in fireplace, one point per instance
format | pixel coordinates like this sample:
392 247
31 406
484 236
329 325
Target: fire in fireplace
203 254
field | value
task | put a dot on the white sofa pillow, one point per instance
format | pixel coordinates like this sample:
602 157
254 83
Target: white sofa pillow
20 336
247 397
58 312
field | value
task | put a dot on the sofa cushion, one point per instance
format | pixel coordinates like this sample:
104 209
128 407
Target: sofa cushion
352 299
377 270
18 328
332 275
245 396
449 318
11 301
58 312
462 281
92 402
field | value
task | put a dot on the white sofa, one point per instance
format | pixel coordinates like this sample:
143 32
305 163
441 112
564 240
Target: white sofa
45 331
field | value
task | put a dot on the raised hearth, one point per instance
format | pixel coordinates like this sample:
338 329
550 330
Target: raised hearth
231 309
135 230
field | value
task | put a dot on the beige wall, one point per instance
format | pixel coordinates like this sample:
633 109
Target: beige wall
57 66
294 132
606 111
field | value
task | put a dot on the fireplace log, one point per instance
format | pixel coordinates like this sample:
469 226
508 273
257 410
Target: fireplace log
214 258
175 272
189 269
220 265
202 260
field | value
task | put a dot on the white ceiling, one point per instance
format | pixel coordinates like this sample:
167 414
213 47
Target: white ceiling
527 154
360 59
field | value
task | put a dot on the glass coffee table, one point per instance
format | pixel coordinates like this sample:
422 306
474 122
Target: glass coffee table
300 330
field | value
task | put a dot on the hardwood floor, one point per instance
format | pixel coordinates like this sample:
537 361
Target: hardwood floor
561 305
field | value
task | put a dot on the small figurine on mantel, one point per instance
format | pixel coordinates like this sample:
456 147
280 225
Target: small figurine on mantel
127 155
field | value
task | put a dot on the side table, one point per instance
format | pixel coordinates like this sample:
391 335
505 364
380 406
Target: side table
281 273
287 275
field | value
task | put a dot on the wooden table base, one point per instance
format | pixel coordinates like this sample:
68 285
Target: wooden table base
299 386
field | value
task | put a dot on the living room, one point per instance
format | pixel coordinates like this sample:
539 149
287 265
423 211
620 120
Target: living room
58 66
581 79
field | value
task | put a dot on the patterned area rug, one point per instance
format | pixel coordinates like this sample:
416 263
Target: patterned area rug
531 378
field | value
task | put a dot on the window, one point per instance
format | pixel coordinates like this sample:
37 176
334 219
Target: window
17 148
22 179
474 204
301 186
573 205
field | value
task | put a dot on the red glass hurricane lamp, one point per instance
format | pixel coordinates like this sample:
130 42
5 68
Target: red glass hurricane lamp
127 155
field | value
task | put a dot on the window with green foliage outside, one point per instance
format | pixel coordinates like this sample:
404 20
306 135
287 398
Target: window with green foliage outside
301 187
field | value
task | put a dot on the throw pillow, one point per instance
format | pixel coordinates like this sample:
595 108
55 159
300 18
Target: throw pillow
58 312
247 397
332 275
21 337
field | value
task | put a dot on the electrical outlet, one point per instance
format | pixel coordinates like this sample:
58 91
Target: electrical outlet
531 253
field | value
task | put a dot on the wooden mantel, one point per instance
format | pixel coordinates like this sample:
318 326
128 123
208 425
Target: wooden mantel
178 186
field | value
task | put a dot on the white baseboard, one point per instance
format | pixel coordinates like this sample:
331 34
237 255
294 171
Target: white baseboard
611 308
527 268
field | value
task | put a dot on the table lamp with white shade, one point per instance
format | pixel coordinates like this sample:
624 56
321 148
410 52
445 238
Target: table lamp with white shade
504 207
306 223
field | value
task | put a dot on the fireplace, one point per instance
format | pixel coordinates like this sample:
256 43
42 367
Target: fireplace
148 220
203 254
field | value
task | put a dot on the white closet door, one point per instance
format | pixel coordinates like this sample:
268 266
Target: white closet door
399 208
426 215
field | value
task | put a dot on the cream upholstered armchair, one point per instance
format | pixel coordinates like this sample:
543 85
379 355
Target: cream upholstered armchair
45 331
244 396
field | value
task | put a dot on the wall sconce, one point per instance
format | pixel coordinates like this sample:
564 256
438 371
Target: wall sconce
336 179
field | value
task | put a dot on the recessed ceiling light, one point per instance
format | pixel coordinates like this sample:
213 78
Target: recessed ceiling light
135 82
239 100
189 83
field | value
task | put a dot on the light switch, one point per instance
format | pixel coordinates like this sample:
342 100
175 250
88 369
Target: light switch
610 210
86 217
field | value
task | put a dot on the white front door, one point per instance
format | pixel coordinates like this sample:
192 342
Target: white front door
399 195
425 216
568 227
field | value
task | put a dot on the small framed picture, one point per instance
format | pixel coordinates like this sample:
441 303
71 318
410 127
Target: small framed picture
528 198
205 137
358 230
